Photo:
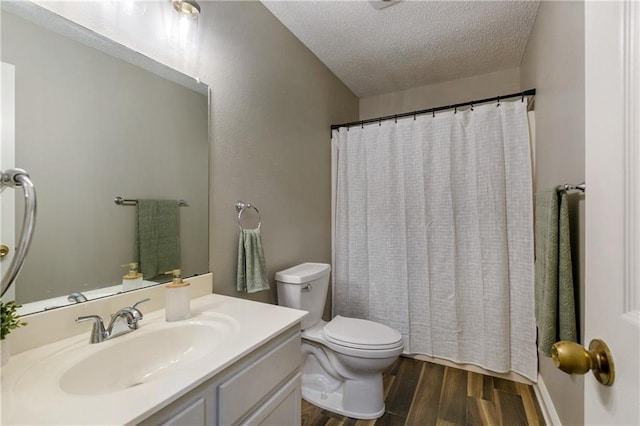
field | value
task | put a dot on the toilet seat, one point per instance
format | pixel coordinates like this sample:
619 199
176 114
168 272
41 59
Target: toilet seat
361 334
387 343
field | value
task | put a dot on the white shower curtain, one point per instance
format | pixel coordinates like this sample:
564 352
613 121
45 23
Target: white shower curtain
434 234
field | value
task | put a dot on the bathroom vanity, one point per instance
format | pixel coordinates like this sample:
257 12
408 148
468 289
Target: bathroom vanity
264 388
233 362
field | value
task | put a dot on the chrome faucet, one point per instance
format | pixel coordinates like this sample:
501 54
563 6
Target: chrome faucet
122 322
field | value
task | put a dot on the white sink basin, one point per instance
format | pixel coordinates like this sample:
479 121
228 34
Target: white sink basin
144 355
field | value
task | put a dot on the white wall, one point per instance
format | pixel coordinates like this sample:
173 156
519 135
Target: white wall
554 64
439 94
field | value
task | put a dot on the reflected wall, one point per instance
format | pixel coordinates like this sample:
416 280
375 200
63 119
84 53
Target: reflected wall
90 127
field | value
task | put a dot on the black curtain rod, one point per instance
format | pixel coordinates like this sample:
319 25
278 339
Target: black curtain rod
530 92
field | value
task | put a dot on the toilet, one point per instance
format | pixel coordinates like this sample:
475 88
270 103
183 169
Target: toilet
343 359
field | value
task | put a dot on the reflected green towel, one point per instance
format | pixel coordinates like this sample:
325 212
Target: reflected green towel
554 297
252 268
157 246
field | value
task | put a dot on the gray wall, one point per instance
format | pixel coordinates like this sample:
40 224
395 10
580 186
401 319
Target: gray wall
90 127
554 64
438 94
273 104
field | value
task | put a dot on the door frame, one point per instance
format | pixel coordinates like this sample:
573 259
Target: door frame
7 161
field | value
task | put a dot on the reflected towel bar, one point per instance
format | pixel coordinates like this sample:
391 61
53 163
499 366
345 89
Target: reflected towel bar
568 187
132 202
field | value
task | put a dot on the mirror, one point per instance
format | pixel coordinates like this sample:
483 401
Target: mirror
93 121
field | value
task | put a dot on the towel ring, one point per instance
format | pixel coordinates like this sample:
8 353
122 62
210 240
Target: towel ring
241 207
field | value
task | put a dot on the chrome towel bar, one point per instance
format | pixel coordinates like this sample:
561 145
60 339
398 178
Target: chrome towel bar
19 179
133 202
569 186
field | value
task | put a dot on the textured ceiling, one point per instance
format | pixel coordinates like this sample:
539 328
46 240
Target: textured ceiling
411 43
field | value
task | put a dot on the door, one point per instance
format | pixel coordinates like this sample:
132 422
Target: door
612 205
7 161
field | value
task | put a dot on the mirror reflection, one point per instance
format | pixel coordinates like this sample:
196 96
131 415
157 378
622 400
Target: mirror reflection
90 127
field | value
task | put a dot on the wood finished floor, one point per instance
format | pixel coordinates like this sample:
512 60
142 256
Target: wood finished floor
422 393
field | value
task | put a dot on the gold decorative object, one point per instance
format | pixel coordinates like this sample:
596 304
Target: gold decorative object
572 358
4 250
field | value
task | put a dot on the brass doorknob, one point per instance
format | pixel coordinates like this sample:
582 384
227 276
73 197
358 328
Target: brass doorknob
574 359
4 250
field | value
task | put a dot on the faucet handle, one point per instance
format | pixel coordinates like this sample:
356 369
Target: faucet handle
98 333
148 299
95 318
132 314
77 297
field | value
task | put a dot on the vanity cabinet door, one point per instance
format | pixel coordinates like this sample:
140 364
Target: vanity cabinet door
247 388
283 408
193 414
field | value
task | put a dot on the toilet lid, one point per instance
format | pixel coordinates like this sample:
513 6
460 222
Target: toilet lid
362 334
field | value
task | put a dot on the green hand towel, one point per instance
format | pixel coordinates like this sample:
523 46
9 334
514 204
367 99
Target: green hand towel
157 245
554 296
252 268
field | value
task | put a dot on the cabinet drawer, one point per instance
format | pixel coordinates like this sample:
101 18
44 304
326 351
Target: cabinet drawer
243 391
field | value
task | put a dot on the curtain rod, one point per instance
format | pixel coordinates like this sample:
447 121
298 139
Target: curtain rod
530 92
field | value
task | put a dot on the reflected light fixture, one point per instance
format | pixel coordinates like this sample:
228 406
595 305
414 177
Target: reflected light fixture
190 8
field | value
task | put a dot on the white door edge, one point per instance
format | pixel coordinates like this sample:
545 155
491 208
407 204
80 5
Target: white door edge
631 93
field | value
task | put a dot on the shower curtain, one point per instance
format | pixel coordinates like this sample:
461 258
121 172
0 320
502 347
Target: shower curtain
434 233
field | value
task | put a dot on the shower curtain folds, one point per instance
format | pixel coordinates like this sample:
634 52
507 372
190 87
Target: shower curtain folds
434 234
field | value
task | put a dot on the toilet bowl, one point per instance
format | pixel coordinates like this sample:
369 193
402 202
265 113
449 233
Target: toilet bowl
343 359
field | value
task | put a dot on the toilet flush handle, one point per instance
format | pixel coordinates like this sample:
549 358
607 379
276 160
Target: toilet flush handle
306 288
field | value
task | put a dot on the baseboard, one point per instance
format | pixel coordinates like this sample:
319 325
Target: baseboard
546 404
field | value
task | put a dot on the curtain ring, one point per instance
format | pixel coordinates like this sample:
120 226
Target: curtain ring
522 97
471 107
362 124
414 116
455 109
347 128
396 118
380 122
498 104
433 111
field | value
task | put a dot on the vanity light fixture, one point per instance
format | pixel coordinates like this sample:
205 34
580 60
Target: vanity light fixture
190 8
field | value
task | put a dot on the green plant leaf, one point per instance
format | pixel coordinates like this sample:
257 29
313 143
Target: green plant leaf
9 317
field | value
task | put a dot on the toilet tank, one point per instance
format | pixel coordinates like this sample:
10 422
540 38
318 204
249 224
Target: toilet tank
304 287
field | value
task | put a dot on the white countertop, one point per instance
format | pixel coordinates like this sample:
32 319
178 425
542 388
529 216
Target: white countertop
39 400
